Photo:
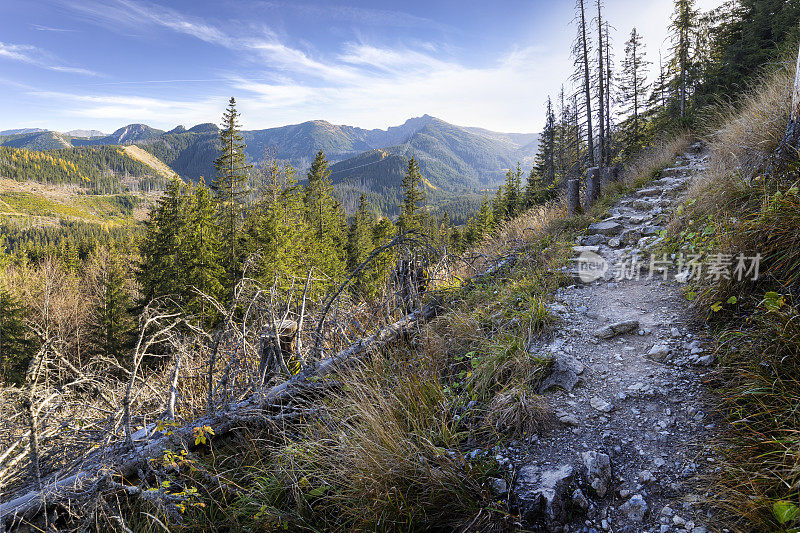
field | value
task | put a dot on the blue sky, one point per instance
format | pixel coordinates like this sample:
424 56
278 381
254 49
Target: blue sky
101 64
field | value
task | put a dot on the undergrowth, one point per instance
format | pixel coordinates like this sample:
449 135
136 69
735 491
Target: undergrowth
736 209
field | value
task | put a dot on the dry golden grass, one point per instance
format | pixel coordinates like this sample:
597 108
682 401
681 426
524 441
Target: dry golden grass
517 411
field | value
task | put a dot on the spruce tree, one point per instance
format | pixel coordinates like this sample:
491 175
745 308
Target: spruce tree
276 226
545 163
683 27
16 343
112 326
633 87
159 272
230 189
360 246
199 255
326 221
412 210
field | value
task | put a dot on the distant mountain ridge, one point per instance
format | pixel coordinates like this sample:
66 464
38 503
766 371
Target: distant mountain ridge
453 159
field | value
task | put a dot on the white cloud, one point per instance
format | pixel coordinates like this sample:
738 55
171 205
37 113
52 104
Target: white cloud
35 56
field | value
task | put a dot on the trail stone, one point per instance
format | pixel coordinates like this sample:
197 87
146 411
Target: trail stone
607 228
642 205
598 471
580 500
544 494
601 405
581 249
654 191
499 485
652 230
564 374
635 508
593 240
658 353
618 328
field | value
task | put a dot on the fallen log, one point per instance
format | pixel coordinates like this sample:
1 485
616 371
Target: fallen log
148 443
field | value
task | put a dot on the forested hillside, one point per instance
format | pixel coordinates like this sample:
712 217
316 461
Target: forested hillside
456 161
101 169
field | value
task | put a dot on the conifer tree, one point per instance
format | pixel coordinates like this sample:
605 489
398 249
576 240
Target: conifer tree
326 220
683 27
112 325
16 342
360 245
159 273
199 255
633 87
513 192
412 210
229 187
601 85
545 163
486 220
582 74
276 225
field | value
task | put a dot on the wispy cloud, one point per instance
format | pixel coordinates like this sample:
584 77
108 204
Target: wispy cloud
35 56
39 27
362 16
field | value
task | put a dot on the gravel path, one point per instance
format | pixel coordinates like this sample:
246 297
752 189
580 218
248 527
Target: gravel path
627 387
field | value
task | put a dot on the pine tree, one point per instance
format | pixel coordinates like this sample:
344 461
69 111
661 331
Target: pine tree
633 86
112 326
582 73
683 27
360 245
16 344
545 163
230 190
199 255
159 272
412 210
326 220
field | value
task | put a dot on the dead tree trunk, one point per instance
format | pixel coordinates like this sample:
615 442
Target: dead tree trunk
574 197
592 186
788 147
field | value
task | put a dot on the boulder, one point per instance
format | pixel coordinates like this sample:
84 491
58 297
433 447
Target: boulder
543 495
608 228
593 240
598 471
564 374
658 353
634 509
618 328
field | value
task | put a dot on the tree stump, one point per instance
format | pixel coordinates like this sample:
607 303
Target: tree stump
592 186
574 197
274 352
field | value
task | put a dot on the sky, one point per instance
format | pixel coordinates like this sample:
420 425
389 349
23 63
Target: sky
102 64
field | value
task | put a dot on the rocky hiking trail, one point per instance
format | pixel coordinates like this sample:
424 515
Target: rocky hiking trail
635 427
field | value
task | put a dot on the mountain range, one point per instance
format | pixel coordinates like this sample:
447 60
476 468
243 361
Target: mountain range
453 159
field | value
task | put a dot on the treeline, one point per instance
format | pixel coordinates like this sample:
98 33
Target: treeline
70 243
99 170
610 110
